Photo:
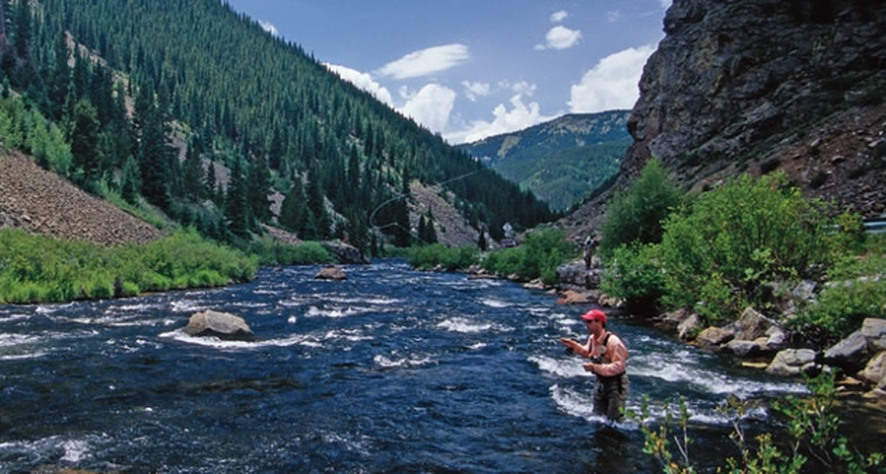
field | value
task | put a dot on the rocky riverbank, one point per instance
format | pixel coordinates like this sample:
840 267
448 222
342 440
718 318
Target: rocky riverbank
757 340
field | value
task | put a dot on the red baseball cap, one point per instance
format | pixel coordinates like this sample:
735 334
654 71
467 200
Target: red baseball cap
594 315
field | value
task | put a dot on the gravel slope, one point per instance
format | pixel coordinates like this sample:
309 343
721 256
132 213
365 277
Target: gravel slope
41 202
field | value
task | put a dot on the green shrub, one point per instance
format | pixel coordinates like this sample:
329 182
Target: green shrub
634 274
273 252
734 239
538 257
841 308
637 215
431 256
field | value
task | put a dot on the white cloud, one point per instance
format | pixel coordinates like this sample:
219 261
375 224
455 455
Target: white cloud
427 61
520 116
363 81
559 16
560 37
269 27
613 16
475 89
430 106
665 3
612 83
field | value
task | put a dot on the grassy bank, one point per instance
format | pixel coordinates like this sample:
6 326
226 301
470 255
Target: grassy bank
36 269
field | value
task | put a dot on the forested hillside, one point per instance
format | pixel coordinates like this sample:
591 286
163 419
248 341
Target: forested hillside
192 108
560 161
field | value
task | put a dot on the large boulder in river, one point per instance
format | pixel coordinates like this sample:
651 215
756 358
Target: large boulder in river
221 325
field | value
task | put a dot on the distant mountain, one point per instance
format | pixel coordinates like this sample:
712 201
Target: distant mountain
562 160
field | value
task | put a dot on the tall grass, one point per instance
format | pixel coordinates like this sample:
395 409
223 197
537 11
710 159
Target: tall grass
36 269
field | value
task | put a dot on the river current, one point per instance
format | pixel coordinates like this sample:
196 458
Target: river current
391 370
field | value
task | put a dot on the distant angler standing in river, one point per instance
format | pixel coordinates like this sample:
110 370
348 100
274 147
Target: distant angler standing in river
609 358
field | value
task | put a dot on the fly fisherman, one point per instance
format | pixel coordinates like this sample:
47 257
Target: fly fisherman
609 358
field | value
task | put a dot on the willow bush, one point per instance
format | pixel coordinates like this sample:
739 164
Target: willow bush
717 253
635 216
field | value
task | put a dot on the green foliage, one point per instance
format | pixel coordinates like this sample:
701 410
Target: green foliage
634 275
812 433
733 239
272 252
637 215
427 257
25 129
538 257
41 269
841 308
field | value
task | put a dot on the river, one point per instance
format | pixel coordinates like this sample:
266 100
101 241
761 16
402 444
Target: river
391 370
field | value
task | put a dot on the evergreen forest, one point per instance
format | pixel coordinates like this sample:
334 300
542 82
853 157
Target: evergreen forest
193 109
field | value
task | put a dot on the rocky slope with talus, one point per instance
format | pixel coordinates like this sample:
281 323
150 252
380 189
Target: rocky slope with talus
763 85
41 202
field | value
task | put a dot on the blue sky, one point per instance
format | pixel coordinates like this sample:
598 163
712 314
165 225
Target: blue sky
468 69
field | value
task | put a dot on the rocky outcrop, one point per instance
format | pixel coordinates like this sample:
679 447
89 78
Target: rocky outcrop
221 325
344 253
760 85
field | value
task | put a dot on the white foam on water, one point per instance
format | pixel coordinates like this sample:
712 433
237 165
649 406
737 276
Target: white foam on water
477 346
571 367
314 312
573 403
30 355
216 343
75 450
495 303
466 326
411 361
187 306
292 320
352 335
680 369
52 309
15 317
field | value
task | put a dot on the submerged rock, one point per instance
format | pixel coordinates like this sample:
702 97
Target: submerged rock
221 325
331 273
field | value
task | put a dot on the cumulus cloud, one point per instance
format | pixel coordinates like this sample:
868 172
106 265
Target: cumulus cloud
363 81
612 83
559 16
520 116
269 27
427 61
475 89
560 37
430 106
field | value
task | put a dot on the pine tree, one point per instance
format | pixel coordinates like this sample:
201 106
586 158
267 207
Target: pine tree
84 143
258 188
236 206
293 211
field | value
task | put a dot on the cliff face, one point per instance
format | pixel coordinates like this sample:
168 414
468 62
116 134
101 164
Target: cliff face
759 85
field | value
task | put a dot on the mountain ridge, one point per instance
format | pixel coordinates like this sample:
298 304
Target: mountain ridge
560 160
